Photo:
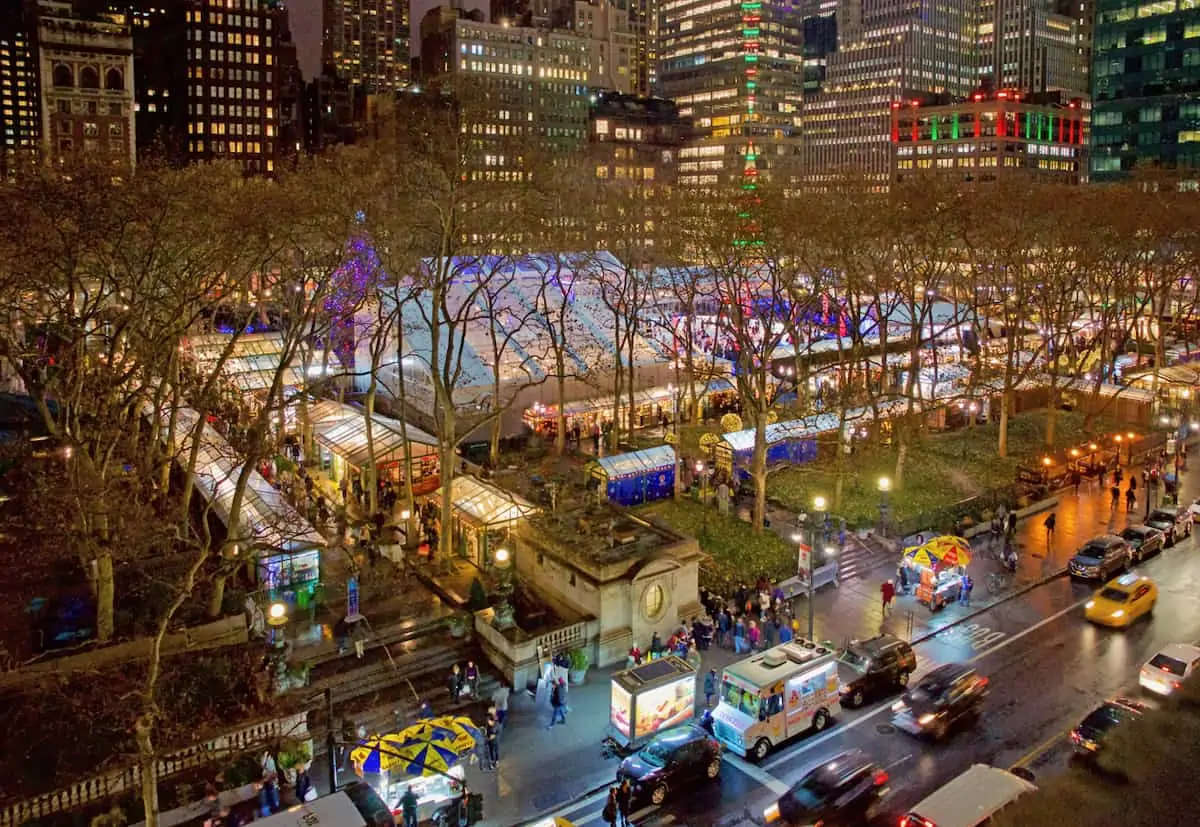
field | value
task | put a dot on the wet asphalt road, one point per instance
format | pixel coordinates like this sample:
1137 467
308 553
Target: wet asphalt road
1048 668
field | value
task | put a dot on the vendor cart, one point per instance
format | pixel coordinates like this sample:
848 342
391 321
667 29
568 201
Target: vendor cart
937 586
434 792
650 698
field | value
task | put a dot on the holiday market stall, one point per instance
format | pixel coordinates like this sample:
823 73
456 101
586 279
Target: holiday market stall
636 477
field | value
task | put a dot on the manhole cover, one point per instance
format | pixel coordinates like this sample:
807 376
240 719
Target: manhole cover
885 729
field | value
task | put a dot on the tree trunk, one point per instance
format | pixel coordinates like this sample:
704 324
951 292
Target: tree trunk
148 765
497 423
371 483
217 599
758 467
445 540
1002 445
105 596
560 415
901 453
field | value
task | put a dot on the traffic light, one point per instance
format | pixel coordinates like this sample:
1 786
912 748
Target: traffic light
474 808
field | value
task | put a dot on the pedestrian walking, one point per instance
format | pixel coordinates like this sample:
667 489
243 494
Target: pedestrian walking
471 679
558 703
1115 495
359 632
710 687
1133 481
964 592
625 801
1049 523
305 791
268 788
455 682
1130 498
408 807
1076 479
609 813
740 646
887 593
492 733
500 699
1011 529
753 636
1118 476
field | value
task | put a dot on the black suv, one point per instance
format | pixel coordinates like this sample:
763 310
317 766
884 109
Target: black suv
1101 558
843 791
1089 736
943 698
671 760
873 667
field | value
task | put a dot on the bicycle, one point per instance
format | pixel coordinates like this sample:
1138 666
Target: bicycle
998 581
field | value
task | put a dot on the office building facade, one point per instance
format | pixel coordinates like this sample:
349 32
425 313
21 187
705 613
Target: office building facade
367 42
85 65
1033 45
887 52
20 96
1145 87
736 70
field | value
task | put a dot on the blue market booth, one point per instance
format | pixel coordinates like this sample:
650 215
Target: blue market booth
637 477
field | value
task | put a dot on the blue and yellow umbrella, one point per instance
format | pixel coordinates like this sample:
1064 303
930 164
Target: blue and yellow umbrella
419 758
378 754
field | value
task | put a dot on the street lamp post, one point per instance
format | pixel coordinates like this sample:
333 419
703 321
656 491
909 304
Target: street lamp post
504 610
277 640
818 524
885 488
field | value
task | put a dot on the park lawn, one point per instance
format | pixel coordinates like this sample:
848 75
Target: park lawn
736 552
940 470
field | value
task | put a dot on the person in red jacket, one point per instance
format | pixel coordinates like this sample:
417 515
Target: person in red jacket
888 593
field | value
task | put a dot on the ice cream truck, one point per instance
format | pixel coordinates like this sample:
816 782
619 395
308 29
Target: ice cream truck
775 695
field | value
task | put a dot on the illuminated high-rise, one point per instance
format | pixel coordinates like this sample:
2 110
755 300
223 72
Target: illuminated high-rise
367 42
887 51
20 122
736 69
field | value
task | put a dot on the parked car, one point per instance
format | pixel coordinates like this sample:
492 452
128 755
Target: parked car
1172 521
1144 541
1121 601
1088 737
1100 558
670 761
873 667
1165 672
843 791
945 697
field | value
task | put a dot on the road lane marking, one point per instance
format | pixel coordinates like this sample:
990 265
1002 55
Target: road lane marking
805 746
759 774
1042 748
898 762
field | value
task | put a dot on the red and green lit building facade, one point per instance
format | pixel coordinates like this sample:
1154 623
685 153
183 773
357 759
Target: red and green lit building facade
987 136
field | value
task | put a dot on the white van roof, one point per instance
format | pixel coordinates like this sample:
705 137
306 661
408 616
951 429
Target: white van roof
336 810
972 797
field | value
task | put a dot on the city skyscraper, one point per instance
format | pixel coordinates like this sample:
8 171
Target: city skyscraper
367 42
1032 46
20 118
1145 79
737 71
888 51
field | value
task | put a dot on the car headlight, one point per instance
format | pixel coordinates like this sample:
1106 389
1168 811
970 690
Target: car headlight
1119 613
898 706
1089 604
927 718
771 813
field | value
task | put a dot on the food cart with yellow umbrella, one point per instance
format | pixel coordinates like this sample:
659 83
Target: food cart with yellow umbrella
938 565
427 756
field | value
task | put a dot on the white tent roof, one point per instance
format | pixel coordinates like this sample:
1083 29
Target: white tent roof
266 517
486 504
638 462
348 439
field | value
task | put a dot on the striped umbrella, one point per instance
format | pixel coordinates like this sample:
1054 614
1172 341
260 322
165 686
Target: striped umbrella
425 758
378 754
950 550
457 731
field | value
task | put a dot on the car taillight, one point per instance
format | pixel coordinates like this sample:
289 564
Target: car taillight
1075 737
881 778
983 682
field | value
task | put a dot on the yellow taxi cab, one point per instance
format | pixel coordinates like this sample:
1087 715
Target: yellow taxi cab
1121 601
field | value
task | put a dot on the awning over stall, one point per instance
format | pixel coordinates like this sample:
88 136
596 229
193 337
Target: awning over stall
266 516
635 463
486 505
348 439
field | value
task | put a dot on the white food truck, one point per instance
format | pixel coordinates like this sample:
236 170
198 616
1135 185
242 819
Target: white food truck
777 694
